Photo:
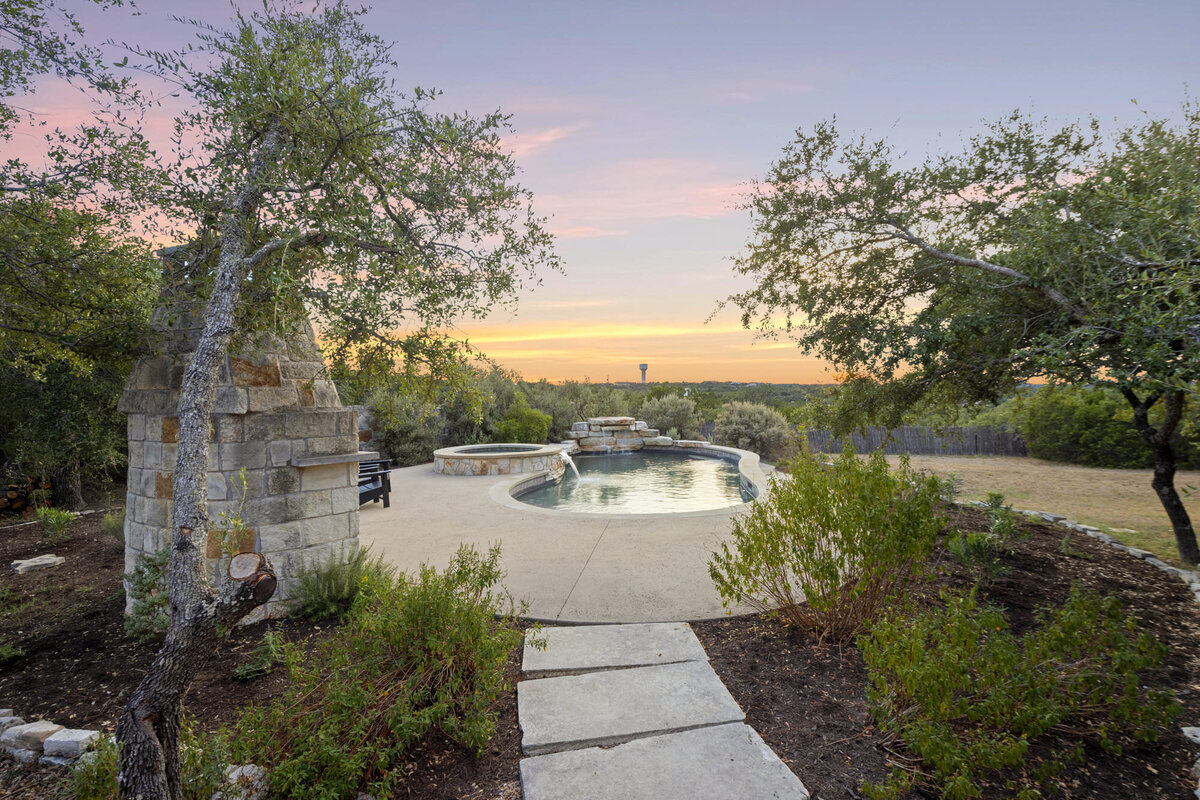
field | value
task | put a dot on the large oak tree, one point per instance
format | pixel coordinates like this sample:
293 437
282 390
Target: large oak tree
1032 253
304 180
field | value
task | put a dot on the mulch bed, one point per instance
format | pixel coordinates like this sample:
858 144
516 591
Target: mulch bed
808 701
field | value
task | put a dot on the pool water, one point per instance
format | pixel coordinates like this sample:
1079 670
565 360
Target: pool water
643 483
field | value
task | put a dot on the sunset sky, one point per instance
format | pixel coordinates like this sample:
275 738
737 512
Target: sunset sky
640 123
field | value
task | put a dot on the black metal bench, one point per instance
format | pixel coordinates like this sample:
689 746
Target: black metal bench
374 481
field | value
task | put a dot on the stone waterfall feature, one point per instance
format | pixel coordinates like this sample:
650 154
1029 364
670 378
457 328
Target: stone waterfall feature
277 417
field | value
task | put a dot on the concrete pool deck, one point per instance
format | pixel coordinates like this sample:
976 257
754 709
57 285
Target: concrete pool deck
583 568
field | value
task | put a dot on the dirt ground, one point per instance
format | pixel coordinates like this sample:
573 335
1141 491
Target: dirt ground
1118 500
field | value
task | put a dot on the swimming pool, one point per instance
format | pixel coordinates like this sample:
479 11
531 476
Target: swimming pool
643 482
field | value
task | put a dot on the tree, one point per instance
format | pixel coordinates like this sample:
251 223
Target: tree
75 287
309 182
1033 252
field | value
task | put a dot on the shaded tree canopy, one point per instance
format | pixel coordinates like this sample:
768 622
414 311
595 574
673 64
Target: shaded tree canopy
1033 252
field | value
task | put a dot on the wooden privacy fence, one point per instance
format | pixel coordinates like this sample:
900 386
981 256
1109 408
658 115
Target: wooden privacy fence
924 441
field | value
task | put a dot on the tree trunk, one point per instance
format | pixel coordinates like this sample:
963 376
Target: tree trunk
148 729
1159 441
66 487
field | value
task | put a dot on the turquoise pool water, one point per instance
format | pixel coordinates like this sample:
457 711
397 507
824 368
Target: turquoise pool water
643 482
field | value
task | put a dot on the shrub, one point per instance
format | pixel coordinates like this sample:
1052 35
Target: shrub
408 430
970 699
754 427
55 522
982 550
523 424
329 589
672 412
202 766
829 547
147 617
269 652
421 654
113 524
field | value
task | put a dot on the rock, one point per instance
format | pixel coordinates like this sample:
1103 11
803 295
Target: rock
8 722
1193 734
658 441
5 712
70 742
29 736
1142 554
690 443
57 761
606 421
24 756
579 426
1151 560
87 758
246 782
21 566
1046 515
648 433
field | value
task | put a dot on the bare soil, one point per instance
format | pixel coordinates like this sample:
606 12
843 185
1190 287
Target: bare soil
1120 501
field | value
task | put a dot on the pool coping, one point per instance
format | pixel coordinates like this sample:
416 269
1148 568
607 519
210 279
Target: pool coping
750 467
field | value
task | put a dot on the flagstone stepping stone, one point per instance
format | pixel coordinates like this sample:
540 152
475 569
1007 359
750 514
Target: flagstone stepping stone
21 566
592 647
714 763
604 708
29 736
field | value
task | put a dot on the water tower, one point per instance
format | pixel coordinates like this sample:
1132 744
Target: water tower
643 368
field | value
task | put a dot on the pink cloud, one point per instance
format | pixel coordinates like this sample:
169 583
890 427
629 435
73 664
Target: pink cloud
524 144
584 232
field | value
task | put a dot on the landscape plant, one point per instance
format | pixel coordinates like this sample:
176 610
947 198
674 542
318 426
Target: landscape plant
146 589
421 653
755 427
976 703
55 522
329 588
1034 252
113 524
523 424
831 545
672 412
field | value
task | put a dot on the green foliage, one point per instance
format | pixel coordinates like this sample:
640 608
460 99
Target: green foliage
754 427
10 652
55 522
982 551
424 653
203 760
267 653
329 589
113 524
523 424
147 587
830 546
971 699
672 412
1092 427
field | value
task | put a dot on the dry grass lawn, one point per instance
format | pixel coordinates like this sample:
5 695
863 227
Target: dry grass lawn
1120 501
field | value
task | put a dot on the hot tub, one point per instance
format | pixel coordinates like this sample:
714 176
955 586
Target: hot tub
500 459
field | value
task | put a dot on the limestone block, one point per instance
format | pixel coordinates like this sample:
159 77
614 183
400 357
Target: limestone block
273 398
235 455
598 441
283 480
325 395
303 505
302 370
5 712
326 476
257 372
344 500
648 433
570 446
56 761
323 530
152 455
617 429
23 565
135 427
641 426
332 445
279 453
29 736
70 742
135 454
573 435
228 428
8 720
266 427
580 427
439 464
690 443
231 400
280 536
602 421
23 756
310 424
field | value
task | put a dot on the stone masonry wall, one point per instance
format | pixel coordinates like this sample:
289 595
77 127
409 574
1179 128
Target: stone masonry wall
277 417
606 434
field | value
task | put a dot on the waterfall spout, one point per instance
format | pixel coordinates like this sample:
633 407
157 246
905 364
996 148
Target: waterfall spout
567 460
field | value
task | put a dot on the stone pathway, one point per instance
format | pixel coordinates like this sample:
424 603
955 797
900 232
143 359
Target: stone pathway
635 712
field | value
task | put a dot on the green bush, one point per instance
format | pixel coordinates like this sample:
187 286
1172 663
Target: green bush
113 524
408 429
522 424
147 618
424 653
269 652
672 412
203 760
330 588
1093 426
970 699
754 427
830 546
982 550
55 522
